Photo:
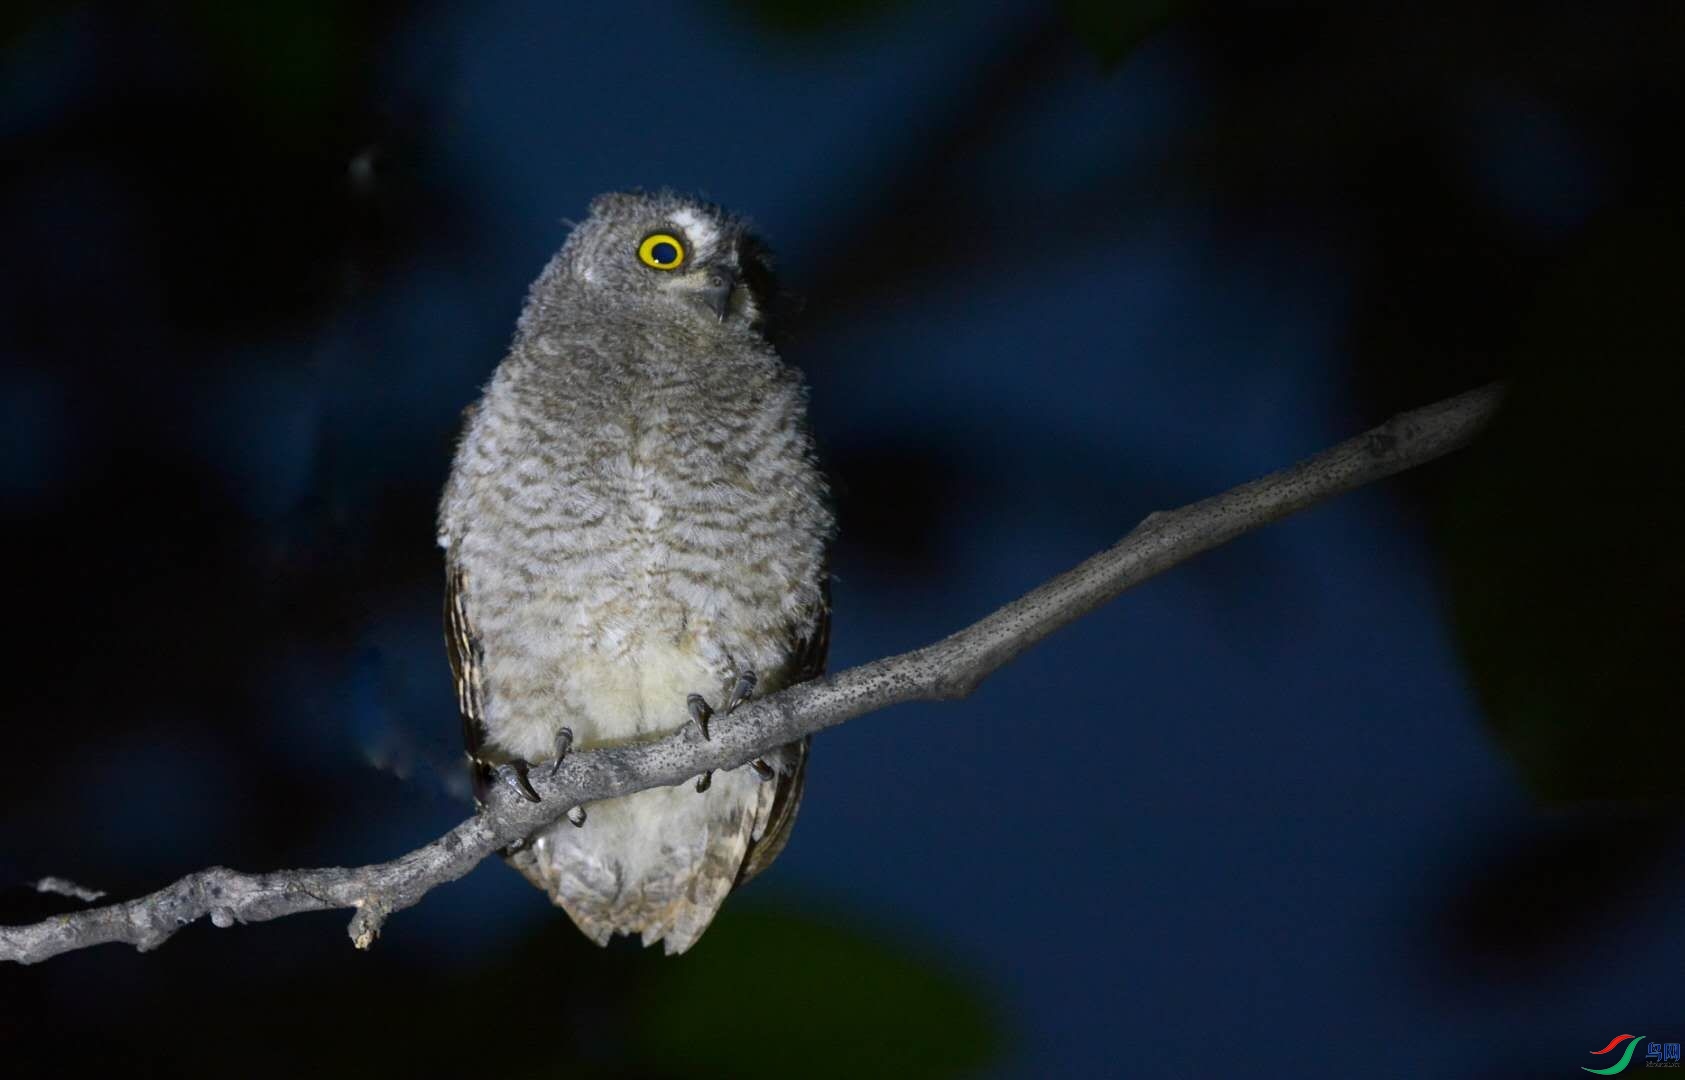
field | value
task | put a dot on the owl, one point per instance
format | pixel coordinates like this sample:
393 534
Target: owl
635 535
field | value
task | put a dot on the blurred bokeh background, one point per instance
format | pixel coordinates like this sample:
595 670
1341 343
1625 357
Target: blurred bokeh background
1391 788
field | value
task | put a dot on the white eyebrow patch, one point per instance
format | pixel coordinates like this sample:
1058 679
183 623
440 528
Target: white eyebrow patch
699 230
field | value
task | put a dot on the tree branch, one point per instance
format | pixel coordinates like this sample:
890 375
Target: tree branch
948 669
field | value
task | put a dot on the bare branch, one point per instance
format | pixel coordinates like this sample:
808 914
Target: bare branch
948 669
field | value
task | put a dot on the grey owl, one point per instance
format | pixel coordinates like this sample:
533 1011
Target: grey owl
635 536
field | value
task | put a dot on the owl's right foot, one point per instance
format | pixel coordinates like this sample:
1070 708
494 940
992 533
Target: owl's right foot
517 773
514 773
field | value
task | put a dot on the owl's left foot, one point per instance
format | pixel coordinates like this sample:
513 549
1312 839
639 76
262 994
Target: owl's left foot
739 694
701 712
741 690
564 743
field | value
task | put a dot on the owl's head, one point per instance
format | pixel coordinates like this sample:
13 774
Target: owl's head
667 249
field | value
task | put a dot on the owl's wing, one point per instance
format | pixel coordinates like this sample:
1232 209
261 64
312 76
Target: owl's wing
467 665
786 800
772 831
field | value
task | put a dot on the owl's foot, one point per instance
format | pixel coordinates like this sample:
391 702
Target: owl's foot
514 773
576 817
763 773
700 713
741 690
564 742
517 773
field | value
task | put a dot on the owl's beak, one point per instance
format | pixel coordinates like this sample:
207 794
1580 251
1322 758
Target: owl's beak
711 287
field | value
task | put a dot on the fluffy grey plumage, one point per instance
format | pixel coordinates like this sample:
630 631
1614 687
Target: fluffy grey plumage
634 515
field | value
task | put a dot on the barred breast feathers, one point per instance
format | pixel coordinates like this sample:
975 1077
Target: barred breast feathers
632 523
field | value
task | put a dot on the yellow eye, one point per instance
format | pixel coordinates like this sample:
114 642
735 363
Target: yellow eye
662 251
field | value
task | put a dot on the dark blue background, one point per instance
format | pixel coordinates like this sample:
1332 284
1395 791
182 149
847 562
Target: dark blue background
1245 820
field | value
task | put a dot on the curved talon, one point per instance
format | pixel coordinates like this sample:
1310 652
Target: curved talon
740 692
577 817
700 712
514 774
564 742
704 781
762 770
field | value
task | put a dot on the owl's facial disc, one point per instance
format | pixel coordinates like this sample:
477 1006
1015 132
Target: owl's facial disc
708 284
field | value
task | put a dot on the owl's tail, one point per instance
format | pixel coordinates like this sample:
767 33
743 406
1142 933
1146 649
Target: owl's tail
656 863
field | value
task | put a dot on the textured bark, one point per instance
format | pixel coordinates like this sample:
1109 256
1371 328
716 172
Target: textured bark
947 669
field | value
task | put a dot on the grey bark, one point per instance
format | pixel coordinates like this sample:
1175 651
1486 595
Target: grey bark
947 669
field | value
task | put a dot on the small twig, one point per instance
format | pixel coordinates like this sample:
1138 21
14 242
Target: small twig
65 887
950 668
